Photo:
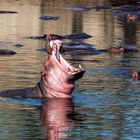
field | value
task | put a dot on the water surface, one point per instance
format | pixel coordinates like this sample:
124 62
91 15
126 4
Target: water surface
105 104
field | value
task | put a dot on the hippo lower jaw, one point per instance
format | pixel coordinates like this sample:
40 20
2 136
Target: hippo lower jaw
60 77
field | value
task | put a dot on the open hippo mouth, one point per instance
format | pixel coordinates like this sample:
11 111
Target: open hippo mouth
73 72
59 76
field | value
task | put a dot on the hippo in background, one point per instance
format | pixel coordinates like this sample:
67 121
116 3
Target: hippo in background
58 73
132 18
57 79
120 49
135 74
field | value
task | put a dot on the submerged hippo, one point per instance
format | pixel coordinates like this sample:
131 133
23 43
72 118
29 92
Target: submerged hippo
132 18
57 79
136 75
120 49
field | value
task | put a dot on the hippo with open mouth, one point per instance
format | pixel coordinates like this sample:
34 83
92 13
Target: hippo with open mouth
59 76
57 79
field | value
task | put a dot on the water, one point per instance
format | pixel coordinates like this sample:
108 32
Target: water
105 104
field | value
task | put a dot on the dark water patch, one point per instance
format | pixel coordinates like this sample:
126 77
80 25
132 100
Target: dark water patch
125 61
18 45
6 52
124 15
8 12
49 17
77 43
78 36
77 8
84 60
44 37
42 49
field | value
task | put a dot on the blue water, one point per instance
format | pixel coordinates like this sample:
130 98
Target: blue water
105 103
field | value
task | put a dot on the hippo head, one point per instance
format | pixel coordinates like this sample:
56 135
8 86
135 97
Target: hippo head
59 76
116 50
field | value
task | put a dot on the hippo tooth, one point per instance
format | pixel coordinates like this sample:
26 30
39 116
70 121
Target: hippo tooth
80 67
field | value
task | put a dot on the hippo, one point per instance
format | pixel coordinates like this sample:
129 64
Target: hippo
120 49
58 73
18 45
135 75
57 79
77 8
7 12
86 8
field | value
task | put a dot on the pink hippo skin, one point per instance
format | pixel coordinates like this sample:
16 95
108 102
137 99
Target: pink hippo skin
57 80
59 76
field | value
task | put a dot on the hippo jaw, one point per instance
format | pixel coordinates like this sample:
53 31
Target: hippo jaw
59 77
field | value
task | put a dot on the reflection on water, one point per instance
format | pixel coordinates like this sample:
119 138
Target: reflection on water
106 100
56 115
